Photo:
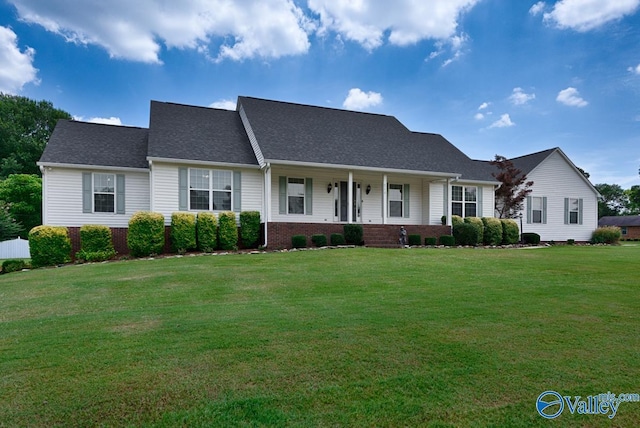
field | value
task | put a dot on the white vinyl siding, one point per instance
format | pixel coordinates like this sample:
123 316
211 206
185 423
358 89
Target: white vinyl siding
63 193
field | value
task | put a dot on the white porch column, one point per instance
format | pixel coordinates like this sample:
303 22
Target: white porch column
267 194
350 198
447 201
384 198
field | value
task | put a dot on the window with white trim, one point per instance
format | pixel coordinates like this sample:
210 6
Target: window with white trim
464 201
574 210
536 209
396 201
104 193
295 195
623 230
210 190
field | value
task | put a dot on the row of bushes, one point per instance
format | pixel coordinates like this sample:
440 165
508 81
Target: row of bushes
486 230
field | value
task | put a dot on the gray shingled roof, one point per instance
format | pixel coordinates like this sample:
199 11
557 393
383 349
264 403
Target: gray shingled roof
620 221
303 133
527 163
83 143
179 131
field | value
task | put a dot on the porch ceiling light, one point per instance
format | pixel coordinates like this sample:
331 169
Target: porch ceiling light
329 187
368 188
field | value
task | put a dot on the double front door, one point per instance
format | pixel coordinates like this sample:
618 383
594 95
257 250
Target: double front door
342 203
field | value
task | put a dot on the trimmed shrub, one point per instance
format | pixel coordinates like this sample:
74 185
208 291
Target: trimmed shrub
353 234
415 240
183 232
467 234
447 240
456 219
510 231
249 228
49 246
207 231
13 265
606 235
492 231
227 231
337 239
443 220
478 222
531 238
96 244
571 241
146 234
319 240
430 241
298 241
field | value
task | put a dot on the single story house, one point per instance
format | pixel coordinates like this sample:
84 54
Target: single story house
629 225
306 169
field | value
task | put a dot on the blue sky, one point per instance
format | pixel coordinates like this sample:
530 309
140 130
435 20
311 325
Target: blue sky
492 76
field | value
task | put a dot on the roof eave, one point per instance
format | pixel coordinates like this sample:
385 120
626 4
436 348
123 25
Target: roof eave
93 167
202 162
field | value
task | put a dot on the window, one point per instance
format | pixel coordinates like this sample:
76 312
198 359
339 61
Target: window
104 193
623 229
209 190
574 210
295 195
395 200
464 201
536 209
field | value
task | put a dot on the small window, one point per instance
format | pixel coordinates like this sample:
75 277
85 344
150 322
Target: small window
395 200
295 195
574 210
104 193
536 209
623 230
464 201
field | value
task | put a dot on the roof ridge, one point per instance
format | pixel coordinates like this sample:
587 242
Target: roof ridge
191 106
83 122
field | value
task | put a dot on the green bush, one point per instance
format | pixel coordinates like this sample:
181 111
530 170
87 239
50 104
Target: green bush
96 244
227 231
492 231
456 219
298 241
571 242
337 239
319 240
480 224
443 220
14 265
353 234
183 232
447 240
467 234
510 231
249 228
606 235
207 231
415 240
531 238
49 246
146 234
430 241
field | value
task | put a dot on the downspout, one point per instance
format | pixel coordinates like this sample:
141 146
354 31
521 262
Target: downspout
267 201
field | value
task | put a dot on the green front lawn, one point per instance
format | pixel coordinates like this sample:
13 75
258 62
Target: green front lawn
355 337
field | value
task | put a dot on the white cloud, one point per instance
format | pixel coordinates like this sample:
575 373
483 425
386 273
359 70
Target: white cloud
484 106
17 67
503 122
359 100
538 8
571 97
224 104
479 116
519 97
635 70
407 22
136 30
585 15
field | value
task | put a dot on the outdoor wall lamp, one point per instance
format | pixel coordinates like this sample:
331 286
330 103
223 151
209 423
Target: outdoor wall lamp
329 187
368 188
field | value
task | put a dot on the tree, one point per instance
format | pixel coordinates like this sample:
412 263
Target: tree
9 229
514 189
583 172
614 200
25 128
22 194
633 195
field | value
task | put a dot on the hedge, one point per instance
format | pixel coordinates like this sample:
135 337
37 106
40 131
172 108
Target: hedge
415 240
227 231
14 265
456 219
510 231
467 234
492 231
49 246
146 234
447 240
249 228
480 224
531 238
96 243
183 232
319 240
353 234
430 241
606 235
298 241
207 231
337 239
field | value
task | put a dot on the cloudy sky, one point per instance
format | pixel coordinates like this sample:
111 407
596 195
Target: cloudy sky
493 76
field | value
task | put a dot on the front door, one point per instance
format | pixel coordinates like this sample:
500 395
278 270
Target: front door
344 204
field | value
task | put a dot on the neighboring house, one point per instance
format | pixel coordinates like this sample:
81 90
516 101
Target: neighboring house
629 225
306 169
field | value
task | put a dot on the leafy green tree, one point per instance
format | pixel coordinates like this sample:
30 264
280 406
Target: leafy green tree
514 189
614 200
633 195
23 195
9 229
25 128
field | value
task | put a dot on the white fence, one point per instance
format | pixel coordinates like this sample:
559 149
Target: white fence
15 249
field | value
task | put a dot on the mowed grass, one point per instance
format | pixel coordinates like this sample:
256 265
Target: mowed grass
350 337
